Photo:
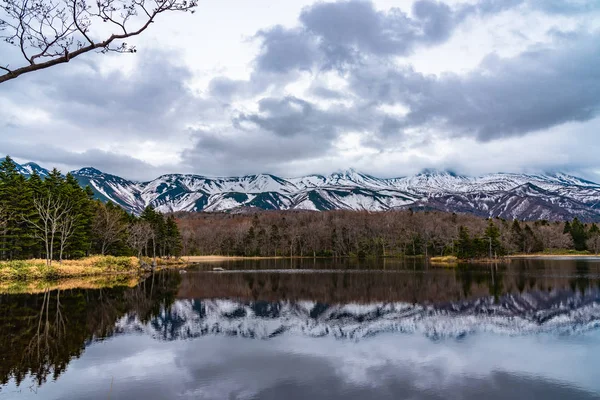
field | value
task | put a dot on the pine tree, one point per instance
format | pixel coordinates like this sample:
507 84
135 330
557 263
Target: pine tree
579 235
81 203
492 234
517 238
464 245
173 236
16 200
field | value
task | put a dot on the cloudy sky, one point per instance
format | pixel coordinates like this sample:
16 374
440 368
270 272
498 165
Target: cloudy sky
298 87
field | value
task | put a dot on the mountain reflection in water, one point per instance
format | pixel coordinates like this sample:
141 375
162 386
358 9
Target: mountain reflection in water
56 335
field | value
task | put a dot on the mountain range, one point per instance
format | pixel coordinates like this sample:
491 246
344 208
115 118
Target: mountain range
553 196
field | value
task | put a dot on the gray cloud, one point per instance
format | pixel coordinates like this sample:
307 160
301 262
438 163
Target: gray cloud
357 24
335 34
85 108
232 152
284 50
87 103
291 116
535 90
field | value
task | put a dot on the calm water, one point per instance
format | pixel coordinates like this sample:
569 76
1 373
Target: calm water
313 330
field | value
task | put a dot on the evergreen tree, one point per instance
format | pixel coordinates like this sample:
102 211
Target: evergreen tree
492 235
567 228
579 235
16 200
517 238
173 237
81 201
464 245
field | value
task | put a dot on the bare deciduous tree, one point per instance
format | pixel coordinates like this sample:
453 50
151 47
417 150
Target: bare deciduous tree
66 230
51 32
593 243
54 219
139 234
108 226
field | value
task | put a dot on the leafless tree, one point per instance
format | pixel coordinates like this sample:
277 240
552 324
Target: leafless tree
108 226
139 234
51 32
552 236
593 243
344 233
54 219
66 230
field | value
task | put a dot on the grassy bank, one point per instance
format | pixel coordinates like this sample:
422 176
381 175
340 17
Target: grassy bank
556 253
21 270
32 286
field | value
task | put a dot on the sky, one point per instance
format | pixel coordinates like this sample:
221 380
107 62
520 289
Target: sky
298 87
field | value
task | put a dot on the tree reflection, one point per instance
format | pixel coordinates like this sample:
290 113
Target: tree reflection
42 333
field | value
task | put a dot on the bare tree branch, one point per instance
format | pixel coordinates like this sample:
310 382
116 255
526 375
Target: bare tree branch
52 32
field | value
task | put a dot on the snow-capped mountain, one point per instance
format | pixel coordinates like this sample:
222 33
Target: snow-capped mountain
31 167
524 196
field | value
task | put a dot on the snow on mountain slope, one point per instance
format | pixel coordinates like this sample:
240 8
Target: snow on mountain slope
112 188
555 196
29 168
429 182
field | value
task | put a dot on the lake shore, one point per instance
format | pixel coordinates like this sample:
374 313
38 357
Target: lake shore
107 266
33 286
37 269
209 259
544 255
441 259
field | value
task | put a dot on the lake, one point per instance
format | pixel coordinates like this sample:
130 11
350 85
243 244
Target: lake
312 329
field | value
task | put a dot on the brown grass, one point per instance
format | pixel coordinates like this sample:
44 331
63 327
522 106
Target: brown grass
39 286
22 270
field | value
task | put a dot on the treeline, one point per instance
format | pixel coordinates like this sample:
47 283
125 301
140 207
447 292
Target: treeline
54 218
366 234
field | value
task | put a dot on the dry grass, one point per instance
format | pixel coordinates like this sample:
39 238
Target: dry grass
39 286
452 259
445 261
35 269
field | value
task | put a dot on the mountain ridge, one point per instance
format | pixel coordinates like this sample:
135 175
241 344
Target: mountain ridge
552 196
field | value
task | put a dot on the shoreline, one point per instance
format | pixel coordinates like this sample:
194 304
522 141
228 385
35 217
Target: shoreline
517 256
109 266
88 267
507 258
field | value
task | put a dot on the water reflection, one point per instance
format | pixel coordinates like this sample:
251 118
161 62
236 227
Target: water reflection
133 337
41 333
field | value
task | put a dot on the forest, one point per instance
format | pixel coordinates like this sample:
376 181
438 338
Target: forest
377 234
54 218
